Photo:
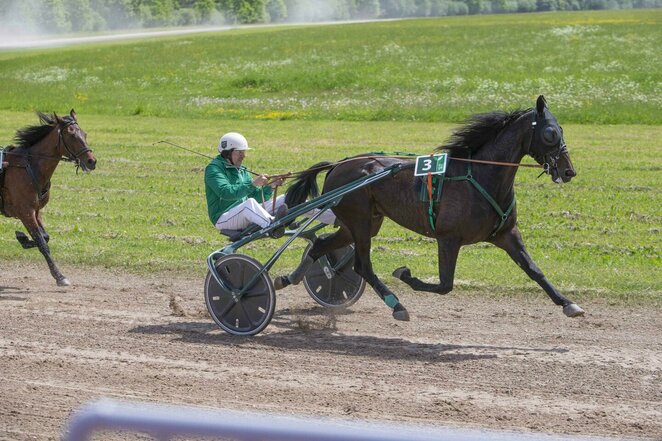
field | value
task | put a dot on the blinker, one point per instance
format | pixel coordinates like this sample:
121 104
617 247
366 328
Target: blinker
550 136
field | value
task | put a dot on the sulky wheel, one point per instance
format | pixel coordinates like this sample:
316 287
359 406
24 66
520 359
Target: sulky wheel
238 313
331 280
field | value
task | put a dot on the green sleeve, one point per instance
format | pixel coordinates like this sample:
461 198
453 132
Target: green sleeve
218 182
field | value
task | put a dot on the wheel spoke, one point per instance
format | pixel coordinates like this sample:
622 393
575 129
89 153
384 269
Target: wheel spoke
353 284
248 317
315 278
227 309
248 295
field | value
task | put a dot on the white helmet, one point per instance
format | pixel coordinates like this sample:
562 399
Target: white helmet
232 141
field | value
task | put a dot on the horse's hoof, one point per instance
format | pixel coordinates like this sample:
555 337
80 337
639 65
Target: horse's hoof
572 310
25 241
402 271
63 282
401 314
281 282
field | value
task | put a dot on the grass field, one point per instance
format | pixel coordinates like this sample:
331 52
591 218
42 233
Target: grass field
597 67
322 93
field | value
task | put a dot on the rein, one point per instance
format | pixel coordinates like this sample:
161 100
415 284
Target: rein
396 156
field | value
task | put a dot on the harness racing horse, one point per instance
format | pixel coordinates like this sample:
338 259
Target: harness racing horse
478 203
26 179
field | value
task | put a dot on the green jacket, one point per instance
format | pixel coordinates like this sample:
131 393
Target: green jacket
227 186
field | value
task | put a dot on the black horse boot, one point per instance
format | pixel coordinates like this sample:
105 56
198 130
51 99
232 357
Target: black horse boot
280 213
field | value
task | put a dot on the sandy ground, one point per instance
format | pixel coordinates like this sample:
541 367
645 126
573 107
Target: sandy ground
462 360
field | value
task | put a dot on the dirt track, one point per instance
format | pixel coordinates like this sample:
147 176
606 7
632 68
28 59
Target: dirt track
462 360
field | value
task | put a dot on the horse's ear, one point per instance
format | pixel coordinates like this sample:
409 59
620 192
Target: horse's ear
73 114
57 118
541 104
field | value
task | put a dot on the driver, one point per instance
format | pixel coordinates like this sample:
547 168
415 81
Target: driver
235 200
232 195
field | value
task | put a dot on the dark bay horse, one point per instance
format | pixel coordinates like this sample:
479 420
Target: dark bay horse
478 203
26 177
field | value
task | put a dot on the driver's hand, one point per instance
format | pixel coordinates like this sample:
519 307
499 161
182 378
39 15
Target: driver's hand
260 181
277 183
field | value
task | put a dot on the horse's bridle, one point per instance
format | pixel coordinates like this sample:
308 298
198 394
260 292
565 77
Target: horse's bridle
550 136
71 156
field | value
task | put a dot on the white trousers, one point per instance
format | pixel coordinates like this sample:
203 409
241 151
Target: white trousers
252 212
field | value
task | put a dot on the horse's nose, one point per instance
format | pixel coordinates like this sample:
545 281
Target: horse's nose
91 163
570 173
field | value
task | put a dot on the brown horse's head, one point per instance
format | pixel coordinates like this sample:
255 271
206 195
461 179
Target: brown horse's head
73 142
548 147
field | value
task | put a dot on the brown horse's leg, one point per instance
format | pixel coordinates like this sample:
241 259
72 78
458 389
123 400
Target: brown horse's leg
448 251
42 228
25 242
36 232
511 242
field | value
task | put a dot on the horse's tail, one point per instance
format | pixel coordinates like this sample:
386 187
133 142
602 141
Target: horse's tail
306 185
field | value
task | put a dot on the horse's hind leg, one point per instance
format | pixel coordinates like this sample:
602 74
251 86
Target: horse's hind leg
37 234
448 251
511 242
363 267
362 233
320 247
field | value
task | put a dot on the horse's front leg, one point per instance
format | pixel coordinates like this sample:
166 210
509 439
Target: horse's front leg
28 243
42 228
25 242
511 242
448 252
37 234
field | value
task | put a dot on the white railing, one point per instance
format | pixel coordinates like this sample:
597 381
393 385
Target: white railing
165 422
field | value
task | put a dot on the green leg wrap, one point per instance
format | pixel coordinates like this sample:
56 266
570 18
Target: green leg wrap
391 300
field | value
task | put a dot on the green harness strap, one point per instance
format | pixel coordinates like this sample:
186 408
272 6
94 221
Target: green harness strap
437 191
433 194
502 214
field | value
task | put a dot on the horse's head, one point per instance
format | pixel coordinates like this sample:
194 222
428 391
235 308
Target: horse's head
73 142
548 147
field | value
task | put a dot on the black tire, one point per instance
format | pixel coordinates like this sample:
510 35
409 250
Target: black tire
334 289
250 313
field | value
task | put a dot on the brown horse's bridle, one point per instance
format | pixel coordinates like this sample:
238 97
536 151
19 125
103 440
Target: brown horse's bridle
72 157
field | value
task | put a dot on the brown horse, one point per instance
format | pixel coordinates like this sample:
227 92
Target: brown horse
26 178
478 203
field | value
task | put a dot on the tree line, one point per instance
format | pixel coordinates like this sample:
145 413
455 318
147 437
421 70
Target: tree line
99 15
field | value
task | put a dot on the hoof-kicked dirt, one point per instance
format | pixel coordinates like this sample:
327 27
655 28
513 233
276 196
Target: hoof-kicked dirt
462 360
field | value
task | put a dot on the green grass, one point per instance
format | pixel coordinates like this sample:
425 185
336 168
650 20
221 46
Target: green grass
596 67
307 94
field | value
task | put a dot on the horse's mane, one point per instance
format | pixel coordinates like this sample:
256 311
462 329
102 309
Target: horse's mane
479 129
31 135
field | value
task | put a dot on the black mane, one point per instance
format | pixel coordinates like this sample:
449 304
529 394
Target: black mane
31 135
479 129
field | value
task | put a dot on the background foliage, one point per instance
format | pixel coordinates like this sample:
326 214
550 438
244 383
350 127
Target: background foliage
95 15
